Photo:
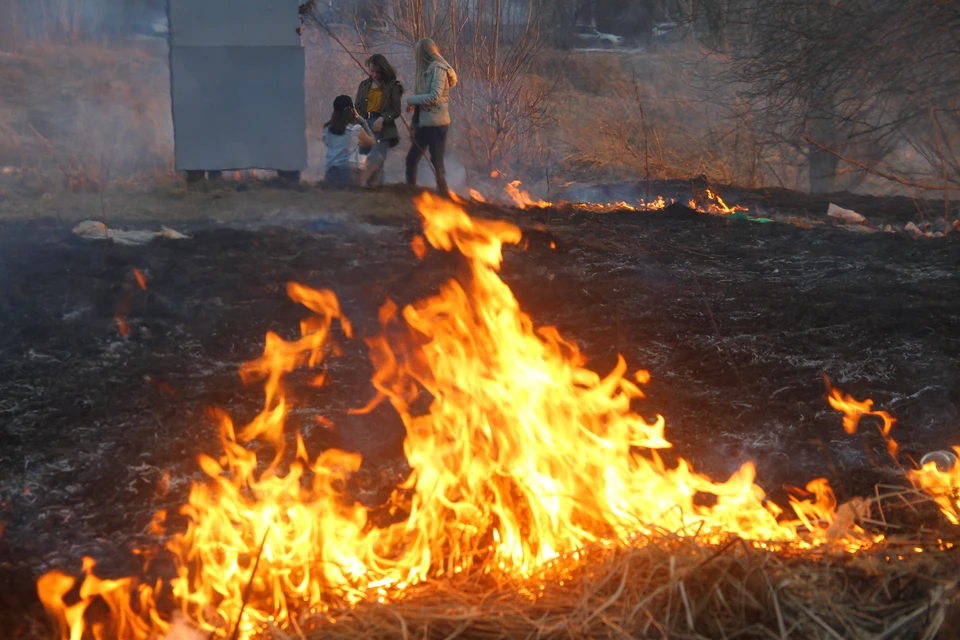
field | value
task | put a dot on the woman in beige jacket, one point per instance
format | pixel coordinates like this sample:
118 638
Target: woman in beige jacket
431 102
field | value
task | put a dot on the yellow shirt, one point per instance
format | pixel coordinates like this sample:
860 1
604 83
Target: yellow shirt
374 99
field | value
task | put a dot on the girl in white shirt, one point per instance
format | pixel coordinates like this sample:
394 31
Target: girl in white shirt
343 134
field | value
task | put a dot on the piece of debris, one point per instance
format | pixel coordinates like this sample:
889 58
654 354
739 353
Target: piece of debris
944 460
912 228
93 230
845 215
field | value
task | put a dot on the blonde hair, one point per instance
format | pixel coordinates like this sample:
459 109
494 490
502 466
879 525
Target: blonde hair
426 53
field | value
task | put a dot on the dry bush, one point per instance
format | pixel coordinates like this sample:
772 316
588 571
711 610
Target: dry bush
645 115
82 116
855 85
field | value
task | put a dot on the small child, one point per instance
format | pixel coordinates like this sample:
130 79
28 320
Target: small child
343 134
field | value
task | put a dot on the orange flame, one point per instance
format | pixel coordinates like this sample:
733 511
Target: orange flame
521 198
514 426
419 246
657 205
141 279
942 485
719 206
122 325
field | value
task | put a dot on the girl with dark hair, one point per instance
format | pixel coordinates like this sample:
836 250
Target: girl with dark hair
435 78
343 134
379 100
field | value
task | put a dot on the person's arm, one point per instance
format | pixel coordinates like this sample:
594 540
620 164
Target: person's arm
365 136
438 82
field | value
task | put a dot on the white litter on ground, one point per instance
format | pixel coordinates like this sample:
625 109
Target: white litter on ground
93 230
845 215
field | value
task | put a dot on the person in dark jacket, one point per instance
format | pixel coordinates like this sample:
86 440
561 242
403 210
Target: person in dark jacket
431 103
379 101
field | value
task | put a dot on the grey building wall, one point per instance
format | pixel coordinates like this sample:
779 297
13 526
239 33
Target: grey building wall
237 72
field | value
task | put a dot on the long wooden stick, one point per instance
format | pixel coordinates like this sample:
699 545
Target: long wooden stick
249 587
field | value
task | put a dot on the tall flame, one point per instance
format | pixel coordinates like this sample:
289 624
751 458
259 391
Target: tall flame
523 459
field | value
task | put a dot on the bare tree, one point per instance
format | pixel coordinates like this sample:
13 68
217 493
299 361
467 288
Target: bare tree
492 44
856 83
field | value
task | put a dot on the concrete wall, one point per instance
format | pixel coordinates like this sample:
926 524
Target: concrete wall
237 71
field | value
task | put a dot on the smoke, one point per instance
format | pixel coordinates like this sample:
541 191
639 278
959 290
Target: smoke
85 93
86 18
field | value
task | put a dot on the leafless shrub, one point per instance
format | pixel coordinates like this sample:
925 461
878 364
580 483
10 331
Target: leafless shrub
855 84
645 116
499 106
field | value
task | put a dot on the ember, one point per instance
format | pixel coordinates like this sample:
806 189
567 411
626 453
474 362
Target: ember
524 462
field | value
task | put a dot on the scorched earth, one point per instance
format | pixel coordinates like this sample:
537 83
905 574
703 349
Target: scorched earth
113 355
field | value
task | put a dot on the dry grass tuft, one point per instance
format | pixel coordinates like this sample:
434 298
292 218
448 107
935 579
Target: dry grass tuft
676 588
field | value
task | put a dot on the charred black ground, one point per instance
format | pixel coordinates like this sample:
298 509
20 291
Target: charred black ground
736 321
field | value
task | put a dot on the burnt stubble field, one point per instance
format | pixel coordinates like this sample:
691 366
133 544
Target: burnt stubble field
737 323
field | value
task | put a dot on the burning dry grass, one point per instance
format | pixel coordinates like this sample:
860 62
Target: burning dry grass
678 586
680 590
537 504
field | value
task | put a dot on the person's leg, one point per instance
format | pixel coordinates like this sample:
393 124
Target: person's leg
373 167
363 149
338 175
414 155
438 147
379 159
380 178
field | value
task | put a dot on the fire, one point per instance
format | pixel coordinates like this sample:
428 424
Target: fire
718 206
122 327
523 461
521 198
419 246
656 205
943 485
141 278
